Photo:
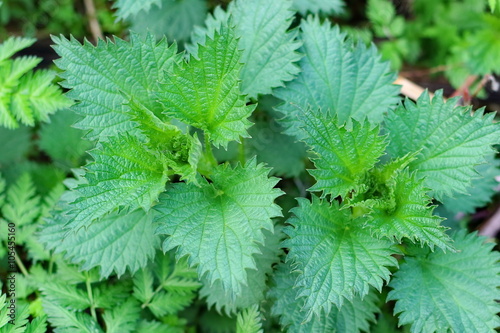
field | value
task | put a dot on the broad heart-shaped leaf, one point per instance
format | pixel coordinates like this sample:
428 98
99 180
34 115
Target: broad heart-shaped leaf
205 92
403 209
114 243
126 8
268 49
124 174
344 155
337 257
319 6
219 224
456 292
106 77
452 142
352 317
337 77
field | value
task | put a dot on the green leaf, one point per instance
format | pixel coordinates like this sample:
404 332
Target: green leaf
65 295
67 321
26 96
493 4
107 77
256 278
205 92
344 155
62 142
480 192
455 292
126 8
327 7
114 243
174 19
219 224
337 77
248 321
337 257
482 45
123 318
14 144
451 141
352 317
22 204
124 174
268 50
403 211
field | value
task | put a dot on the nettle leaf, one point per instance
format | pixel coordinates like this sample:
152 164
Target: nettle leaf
174 19
114 243
344 155
328 7
253 290
451 141
219 224
124 174
455 292
352 317
205 92
268 49
403 209
26 96
337 257
106 77
480 192
337 77
126 8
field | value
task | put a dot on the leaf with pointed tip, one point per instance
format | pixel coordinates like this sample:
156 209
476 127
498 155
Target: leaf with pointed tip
126 8
268 49
455 292
337 77
344 155
106 77
337 256
124 174
249 321
327 7
352 317
205 92
123 318
65 320
452 142
219 224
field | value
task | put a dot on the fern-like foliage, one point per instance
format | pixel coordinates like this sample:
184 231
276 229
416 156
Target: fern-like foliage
268 49
248 321
449 292
338 258
26 96
21 323
451 141
219 224
205 92
337 77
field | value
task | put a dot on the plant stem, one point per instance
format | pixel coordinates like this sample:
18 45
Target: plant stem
94 26
20 264
91 297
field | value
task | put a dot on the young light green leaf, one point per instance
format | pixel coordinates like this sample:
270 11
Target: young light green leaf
124 174
248 321
219 224
444 292
65 320
65 295
352 317
106 77
403 210
344 155
126 8
337 257
13 45
114 243
493 4
451 141
338 78
205 92
327 7
22 204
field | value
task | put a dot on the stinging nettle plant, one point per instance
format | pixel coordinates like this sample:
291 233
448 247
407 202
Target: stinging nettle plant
365 238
